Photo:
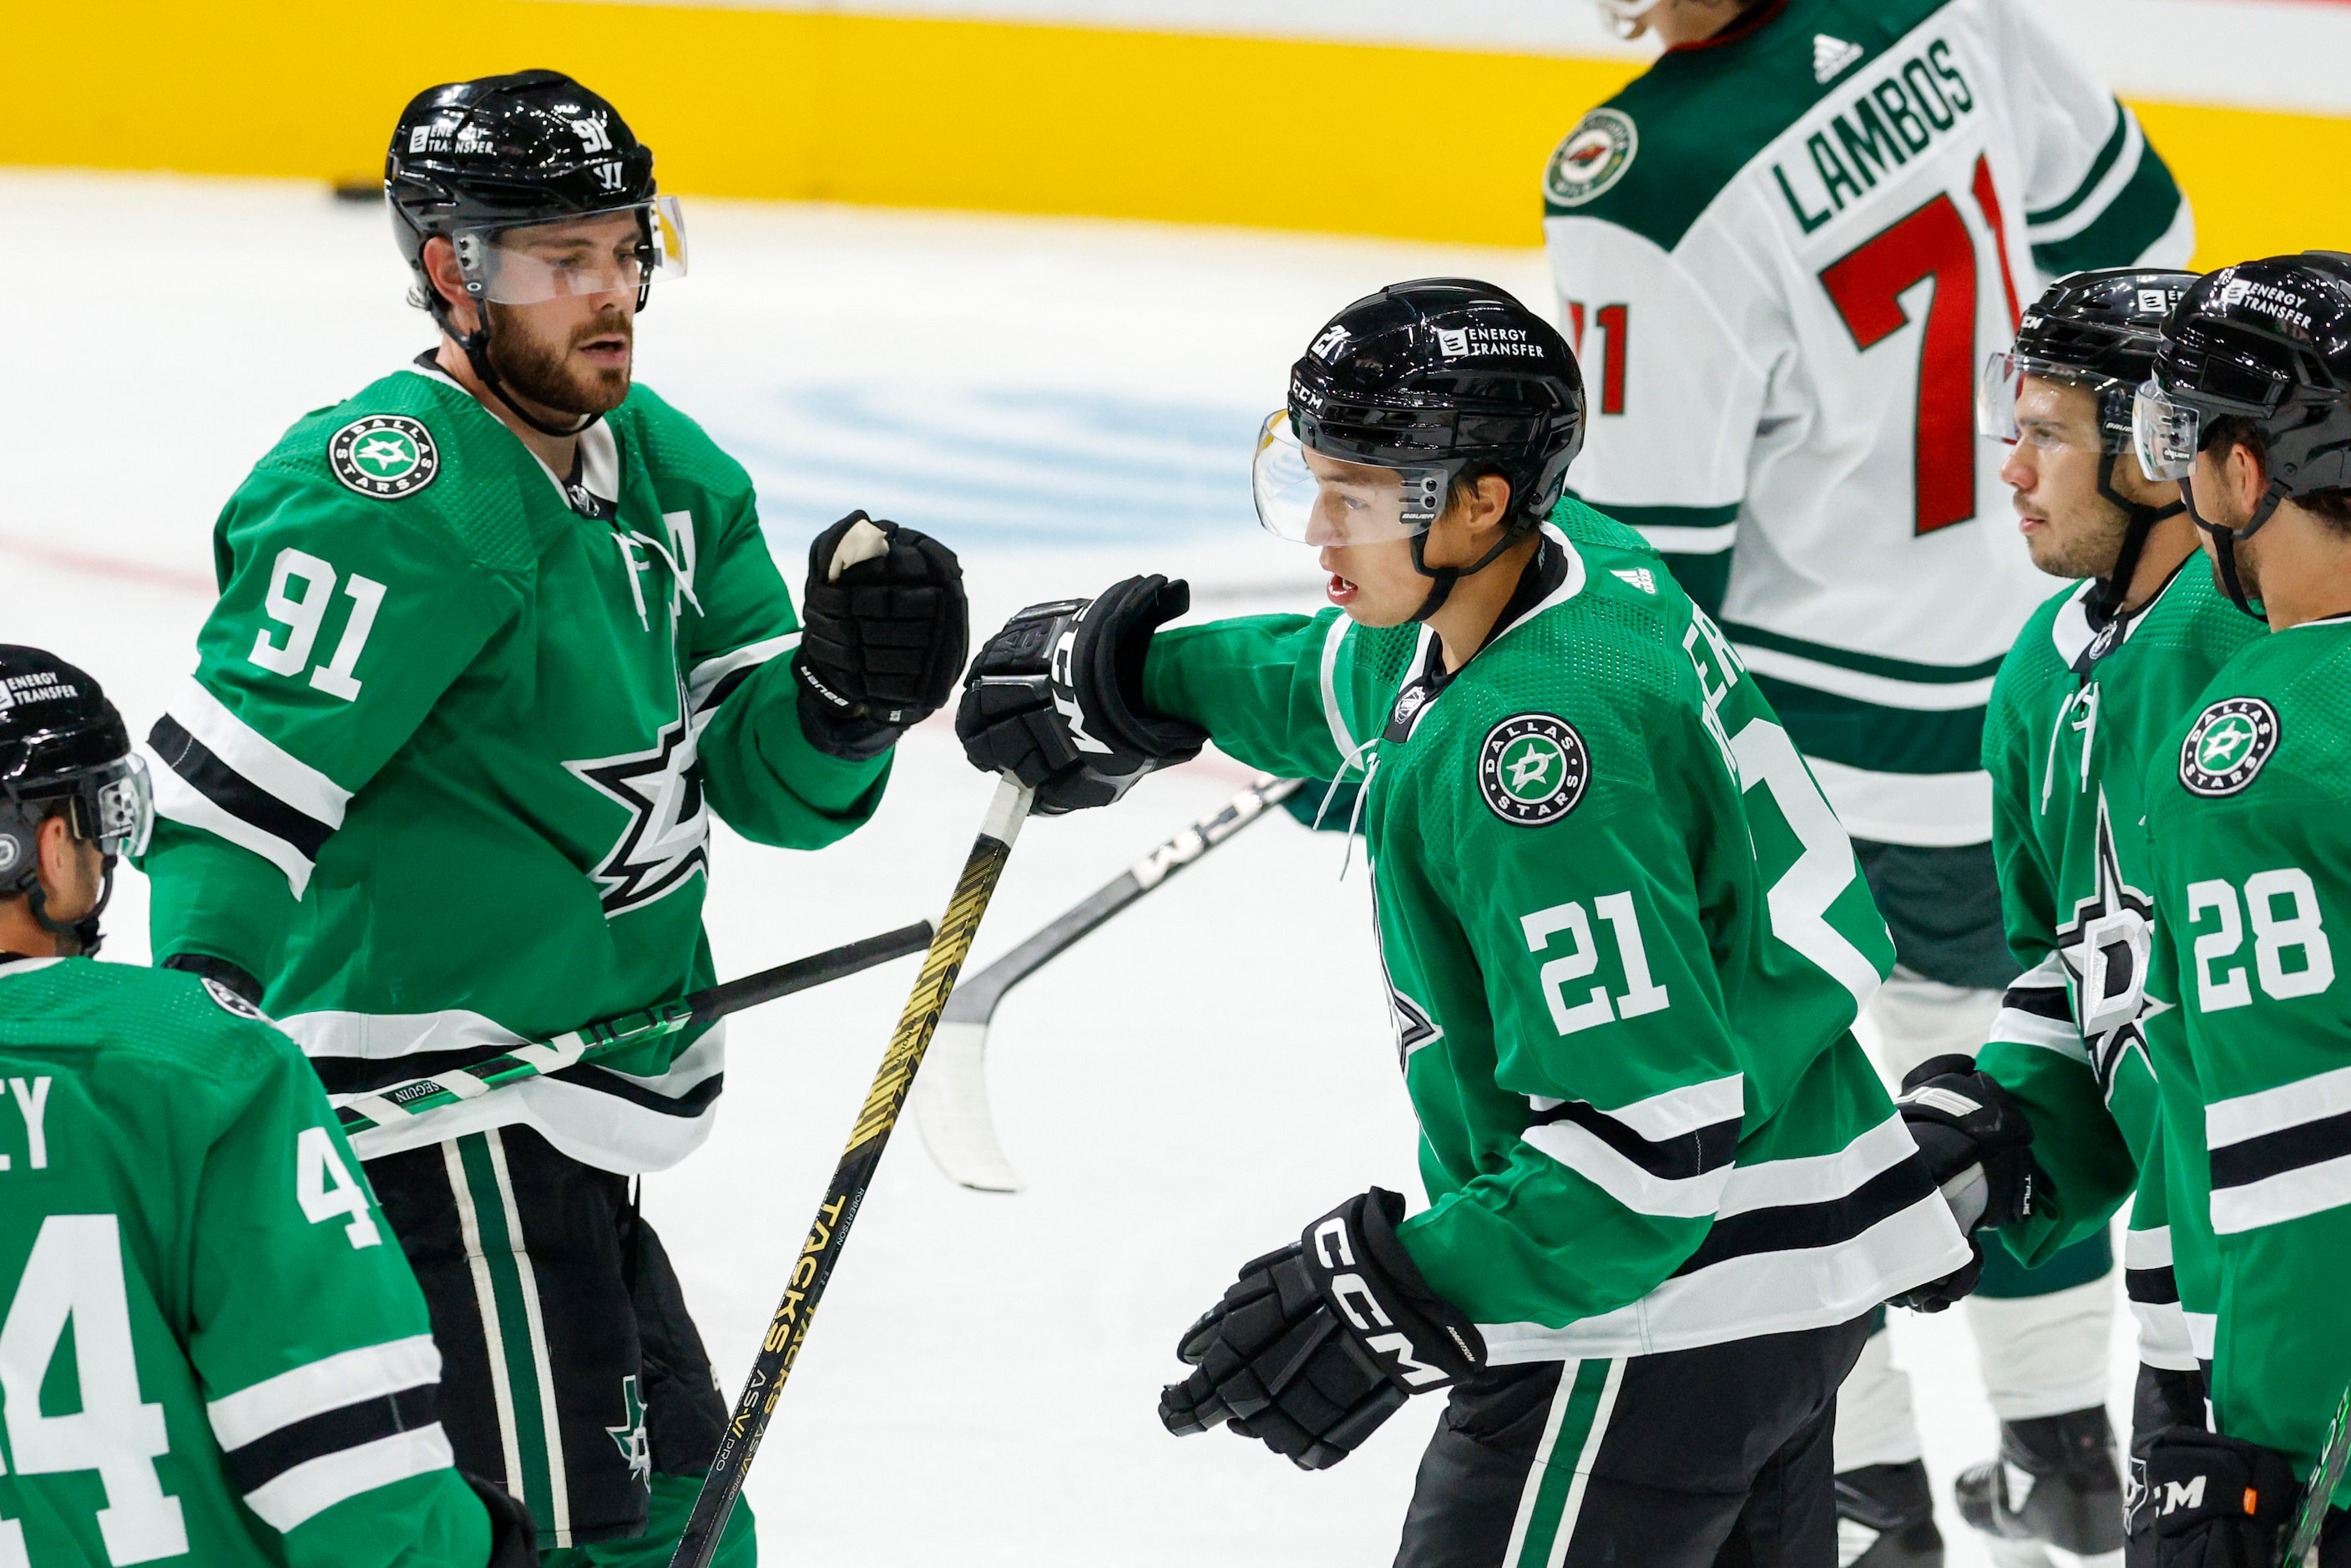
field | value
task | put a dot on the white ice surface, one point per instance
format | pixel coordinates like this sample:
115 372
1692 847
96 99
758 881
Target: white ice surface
1182 1092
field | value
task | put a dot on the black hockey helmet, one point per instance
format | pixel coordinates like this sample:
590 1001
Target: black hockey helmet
63 748
2100 331
471 160
1434 381
2267 342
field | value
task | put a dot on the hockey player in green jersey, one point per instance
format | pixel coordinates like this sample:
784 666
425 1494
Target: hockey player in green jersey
2249 817
498 638
2093 1025
1735 238
175 1179
1624 942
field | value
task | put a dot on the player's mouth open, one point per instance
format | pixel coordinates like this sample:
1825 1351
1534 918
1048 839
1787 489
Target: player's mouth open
1340 589
614 349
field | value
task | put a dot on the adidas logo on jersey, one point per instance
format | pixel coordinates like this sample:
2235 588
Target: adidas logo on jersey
1831 58
1639 577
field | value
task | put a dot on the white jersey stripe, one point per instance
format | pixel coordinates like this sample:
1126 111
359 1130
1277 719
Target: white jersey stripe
258 758
2126 169
1817 1178
710 672
328 1383
2030 1028
2311 1099
181 802
1936 810
1587 1456
312 1487
1885 690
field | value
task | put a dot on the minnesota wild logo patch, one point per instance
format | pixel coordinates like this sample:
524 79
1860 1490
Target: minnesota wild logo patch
1533 769
2226 747
387 455
1594 157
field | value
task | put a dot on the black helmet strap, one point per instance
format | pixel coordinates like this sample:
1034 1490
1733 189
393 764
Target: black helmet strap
1444 576
2105 601
477 345
2224 540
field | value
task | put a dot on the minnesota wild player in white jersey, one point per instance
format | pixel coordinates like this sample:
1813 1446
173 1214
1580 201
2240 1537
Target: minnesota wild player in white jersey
1624 942
175 1179
2089 1036
498 638
1784 251
2249 822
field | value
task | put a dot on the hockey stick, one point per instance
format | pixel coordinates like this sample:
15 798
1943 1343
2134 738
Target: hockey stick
828 1233
2312 1516
392 1108
952 1109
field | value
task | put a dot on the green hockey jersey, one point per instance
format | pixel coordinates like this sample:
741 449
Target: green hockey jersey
2087 1033
1625 941
445 775
2248 814
213 1351
1742 242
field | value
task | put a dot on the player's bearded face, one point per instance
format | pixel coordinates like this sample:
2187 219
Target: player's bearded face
572 355
2071 529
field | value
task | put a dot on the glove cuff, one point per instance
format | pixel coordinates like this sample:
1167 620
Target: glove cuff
1418 1340
2195 1477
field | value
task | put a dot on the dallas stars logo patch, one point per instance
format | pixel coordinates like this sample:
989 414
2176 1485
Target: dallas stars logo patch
2106 949
386 455
2225 750
1533 769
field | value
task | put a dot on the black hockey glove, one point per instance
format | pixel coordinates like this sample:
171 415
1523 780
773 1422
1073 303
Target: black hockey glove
1056 697
1974 1139
1976 1146
514 1537
2208 1502
884 636
1318 1343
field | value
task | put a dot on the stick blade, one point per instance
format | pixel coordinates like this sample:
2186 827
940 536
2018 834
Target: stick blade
951 1111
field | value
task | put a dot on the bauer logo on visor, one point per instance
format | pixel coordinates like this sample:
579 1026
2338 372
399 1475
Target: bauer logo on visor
1533 769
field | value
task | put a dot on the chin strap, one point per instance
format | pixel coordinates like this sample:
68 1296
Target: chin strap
1445 576
74 938
477 345
2105 601
2224 540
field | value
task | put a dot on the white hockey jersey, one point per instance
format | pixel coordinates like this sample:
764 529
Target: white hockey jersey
1784 254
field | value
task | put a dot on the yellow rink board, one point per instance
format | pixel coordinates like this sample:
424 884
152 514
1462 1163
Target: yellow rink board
1338 138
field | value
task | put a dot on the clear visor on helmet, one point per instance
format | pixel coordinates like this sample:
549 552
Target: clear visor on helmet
2045 404
2165 434
595 253
1309 499
114 808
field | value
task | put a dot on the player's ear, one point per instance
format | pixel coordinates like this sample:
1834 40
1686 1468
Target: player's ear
53 845
448 278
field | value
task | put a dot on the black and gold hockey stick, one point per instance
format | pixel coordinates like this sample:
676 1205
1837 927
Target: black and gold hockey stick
788 1330
373 1117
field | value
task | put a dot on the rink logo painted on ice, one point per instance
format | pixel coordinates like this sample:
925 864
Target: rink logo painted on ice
1533 769
1594 158
2225 750
387 455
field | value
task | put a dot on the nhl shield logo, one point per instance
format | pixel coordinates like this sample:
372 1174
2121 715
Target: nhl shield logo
386 455
1533 769
2226 749
1594 157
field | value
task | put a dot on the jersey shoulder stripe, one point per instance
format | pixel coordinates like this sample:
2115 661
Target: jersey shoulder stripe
1700 115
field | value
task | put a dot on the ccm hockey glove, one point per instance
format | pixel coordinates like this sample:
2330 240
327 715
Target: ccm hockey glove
886 631
1976 1146
1318 1343
2208 1502
1056 697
